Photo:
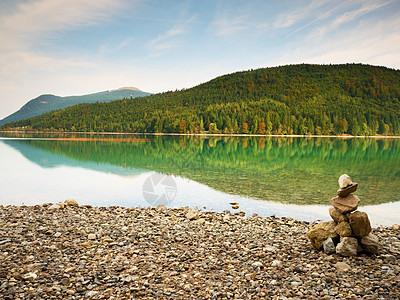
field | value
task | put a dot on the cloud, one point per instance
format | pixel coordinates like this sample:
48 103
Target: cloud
167 40
291 18
369 41
228 26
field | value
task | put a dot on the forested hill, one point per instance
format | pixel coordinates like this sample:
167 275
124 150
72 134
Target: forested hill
295 99
45 103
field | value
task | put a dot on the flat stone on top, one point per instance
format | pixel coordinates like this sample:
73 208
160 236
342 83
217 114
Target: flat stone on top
345 204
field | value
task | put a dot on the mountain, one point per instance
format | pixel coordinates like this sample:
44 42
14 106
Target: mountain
302 99
45 103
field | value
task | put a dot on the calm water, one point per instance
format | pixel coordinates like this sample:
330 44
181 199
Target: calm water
293 177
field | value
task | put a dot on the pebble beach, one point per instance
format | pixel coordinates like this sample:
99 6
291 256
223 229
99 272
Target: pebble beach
70 251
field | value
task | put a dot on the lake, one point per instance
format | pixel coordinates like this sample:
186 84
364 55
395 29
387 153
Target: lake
281 176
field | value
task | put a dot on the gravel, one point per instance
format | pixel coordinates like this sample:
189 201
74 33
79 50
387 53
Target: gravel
84 252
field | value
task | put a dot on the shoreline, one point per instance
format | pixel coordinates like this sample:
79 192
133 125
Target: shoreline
104 252
205 134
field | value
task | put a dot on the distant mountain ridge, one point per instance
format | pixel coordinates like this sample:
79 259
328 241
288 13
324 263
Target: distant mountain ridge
45 103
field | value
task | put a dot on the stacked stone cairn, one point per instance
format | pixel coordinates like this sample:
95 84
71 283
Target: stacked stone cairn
349 234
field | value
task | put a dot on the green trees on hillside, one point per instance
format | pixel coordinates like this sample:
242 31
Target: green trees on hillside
298 99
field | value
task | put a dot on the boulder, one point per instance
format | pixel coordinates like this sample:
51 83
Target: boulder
360 224
329 246
337 216
347 247
343 229
344 181
345 204
320 232
370 243
343 192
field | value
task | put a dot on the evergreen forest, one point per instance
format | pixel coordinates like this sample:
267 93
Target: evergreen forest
304 99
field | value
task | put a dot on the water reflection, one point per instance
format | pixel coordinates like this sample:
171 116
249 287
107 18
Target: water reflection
288 170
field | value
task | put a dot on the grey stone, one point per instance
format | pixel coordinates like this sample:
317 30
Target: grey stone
329 246
344 181
347 247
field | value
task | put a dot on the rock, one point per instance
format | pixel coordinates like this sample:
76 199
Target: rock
192 215
91 294
342 267
29 276
71 202
226 218
329 246
360 224
234 203
61 205
91 236
235 206
70 269
161 207
345 204
396 227
257 264
57 234
343 192
370 243
320 232
337 216
277 264
347 246
200 221
344 181
54 207
343 229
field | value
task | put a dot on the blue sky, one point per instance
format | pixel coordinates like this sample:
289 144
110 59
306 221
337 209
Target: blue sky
77 47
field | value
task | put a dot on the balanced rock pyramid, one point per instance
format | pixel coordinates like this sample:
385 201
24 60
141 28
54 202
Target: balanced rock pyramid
349 233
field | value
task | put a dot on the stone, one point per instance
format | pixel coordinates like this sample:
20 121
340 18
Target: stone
320 232
329 246
54 207
71 202
91 236
343 192
370 243
396 227
347 247
70 270
257 264
344 181
342 267
192 215
337 216
200 221
234 203
29 276
345 204
343 229
235 206
360 224
277 264
161 207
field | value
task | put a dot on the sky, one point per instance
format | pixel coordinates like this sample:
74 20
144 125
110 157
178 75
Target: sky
78 47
